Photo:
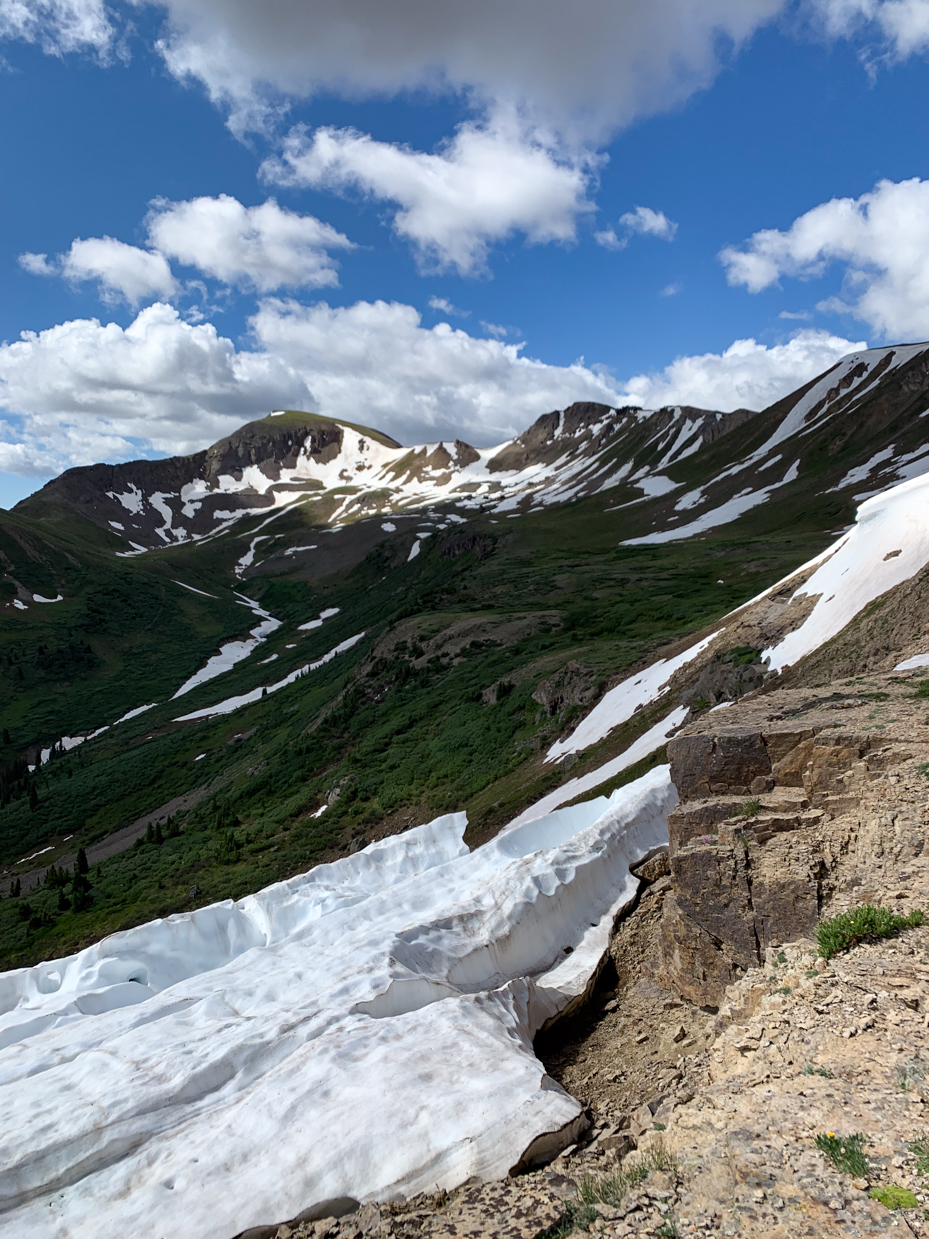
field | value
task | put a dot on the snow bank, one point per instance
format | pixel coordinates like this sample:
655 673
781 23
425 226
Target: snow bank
888 544
232 652
620 703
361 1030
246 699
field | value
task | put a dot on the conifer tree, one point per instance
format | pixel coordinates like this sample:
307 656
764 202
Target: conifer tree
82 865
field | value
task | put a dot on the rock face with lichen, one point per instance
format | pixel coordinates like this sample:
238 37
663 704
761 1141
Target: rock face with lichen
774 827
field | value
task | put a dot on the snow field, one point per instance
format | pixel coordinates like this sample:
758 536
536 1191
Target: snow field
888 544
361 1030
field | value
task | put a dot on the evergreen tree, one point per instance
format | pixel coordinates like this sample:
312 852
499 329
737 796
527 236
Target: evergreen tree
82 865
159 837
150 834
33 797
6 736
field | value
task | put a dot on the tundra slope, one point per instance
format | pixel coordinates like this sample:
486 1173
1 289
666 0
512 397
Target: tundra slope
596 840
504 625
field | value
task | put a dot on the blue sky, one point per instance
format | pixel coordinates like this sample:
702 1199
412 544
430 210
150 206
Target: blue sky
599 200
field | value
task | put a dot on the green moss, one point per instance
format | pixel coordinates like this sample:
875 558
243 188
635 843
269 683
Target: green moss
893 1197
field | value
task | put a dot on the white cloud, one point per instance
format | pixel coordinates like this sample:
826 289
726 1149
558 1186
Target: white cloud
903 24
488 182
84 391
649 223
37 264
495 330
882 238
375 363
747 375
124 272
263 247
58 26
586 67
442 305
671 290
644 221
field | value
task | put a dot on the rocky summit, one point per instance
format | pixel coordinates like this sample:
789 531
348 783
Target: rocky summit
513 841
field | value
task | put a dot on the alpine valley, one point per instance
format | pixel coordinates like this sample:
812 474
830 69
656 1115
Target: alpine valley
334 774
308 637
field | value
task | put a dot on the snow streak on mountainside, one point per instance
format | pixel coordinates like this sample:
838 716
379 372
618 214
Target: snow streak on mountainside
369 1022
338 473
346 472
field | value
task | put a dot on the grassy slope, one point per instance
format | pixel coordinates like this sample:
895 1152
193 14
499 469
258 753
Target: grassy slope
401 738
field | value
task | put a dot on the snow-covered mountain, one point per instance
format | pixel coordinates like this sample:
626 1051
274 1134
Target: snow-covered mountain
857 428
344 472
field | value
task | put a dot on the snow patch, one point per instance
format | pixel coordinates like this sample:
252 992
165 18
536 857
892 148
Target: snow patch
245 699
620 703
142 1073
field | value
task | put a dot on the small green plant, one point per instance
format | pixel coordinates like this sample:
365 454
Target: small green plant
865 924
923 767
667 1230
893 1197
910 1074
810 1070
921 1149
751 808
781 957
784 989
845 1152
699 703
659 1126
922 689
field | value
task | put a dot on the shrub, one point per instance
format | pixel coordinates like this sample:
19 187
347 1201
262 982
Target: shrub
810 1070
921 1149
865 924
845 1152
751 808
894 1197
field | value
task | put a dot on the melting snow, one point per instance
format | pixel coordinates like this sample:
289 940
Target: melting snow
388 1000
20 606
639 749
201 592
620 703
919 660
233 651
858 570
245 699
318 623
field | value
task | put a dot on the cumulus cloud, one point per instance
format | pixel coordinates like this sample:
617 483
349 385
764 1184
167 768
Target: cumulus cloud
123 272
489 181
375 363
59 26
84 391
747 375
644 221
263 247
903 24
881 238
586 67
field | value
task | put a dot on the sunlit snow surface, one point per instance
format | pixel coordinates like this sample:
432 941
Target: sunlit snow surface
361 1030
887 545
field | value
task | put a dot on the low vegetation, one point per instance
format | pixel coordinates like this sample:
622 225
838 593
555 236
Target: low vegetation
845 1152
866 923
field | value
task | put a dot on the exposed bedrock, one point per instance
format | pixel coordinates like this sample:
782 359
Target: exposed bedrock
770 831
